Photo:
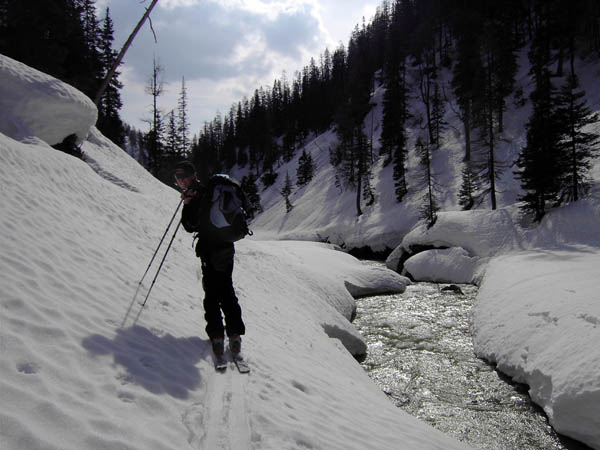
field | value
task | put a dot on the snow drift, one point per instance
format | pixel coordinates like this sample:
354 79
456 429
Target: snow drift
35 104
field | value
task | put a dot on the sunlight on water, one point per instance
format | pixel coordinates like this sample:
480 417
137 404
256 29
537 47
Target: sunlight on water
420 353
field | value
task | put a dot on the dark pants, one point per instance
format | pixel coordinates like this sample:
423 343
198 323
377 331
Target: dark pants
219 295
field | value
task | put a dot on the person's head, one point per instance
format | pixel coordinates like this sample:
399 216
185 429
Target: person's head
185 174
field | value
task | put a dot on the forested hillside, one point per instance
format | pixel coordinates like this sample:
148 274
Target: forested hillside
452 57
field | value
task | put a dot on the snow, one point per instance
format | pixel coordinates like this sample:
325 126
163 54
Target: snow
538 319
76 237
35 104
453 265
538 309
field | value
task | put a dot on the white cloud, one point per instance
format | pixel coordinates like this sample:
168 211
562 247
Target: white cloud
269 8
369 10
172 4
225 48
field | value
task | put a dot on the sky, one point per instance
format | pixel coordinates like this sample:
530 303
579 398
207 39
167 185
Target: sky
225 49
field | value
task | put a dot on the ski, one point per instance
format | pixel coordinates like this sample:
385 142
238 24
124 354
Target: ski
220 364
241 364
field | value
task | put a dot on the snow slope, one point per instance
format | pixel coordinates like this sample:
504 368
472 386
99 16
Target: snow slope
538 309
324 212
82 369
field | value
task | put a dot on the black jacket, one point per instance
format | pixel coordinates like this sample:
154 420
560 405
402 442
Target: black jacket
195 219
195 213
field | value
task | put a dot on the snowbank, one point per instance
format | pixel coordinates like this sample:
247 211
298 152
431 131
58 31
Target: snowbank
35 104
537 314
452 265
74 375
481 233
538 319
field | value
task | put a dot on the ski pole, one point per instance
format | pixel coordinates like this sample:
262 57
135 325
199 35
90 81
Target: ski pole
158 271
149 265
160 243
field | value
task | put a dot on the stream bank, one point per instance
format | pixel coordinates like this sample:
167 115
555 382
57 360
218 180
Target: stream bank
420 353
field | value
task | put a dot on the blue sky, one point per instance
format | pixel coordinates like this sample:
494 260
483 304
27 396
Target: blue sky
224 48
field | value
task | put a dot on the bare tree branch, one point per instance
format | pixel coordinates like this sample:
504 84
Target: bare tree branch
152 29
126 46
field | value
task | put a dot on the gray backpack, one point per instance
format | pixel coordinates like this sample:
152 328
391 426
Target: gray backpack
228 209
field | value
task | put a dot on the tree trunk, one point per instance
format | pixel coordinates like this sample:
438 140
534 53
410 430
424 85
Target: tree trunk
561 58
425 88
358 189
490 120
360 169
126 46
467 125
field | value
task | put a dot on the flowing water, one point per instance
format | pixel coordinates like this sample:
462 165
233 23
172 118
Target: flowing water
420 353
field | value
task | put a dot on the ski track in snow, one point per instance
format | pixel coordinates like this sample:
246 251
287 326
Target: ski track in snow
220 419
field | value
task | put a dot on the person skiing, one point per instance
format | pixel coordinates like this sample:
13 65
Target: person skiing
217 262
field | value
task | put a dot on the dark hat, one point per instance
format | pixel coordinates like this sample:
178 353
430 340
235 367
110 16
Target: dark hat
185 168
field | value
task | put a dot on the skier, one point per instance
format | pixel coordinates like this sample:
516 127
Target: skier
217 263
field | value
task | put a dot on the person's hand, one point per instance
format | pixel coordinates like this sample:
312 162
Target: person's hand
188 195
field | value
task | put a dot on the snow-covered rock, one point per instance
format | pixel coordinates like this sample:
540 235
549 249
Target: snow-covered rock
480 232
35 104
448 265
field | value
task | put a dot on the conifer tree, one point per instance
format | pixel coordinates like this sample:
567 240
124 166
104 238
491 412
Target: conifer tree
468 188
368 193
395 100
399 175
363 165
539 164
427 73
467 79
92 40
109 121
306 169
430 207
577 147
172 141
438 110
229 155
286 191
251 189
154 138
489 169
183 125
49 36
289 144
352 160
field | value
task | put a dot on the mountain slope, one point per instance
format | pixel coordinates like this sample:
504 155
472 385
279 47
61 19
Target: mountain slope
323 211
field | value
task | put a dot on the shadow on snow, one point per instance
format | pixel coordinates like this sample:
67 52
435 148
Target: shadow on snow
160 364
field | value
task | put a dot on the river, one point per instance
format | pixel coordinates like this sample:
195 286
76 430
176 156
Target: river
420 353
